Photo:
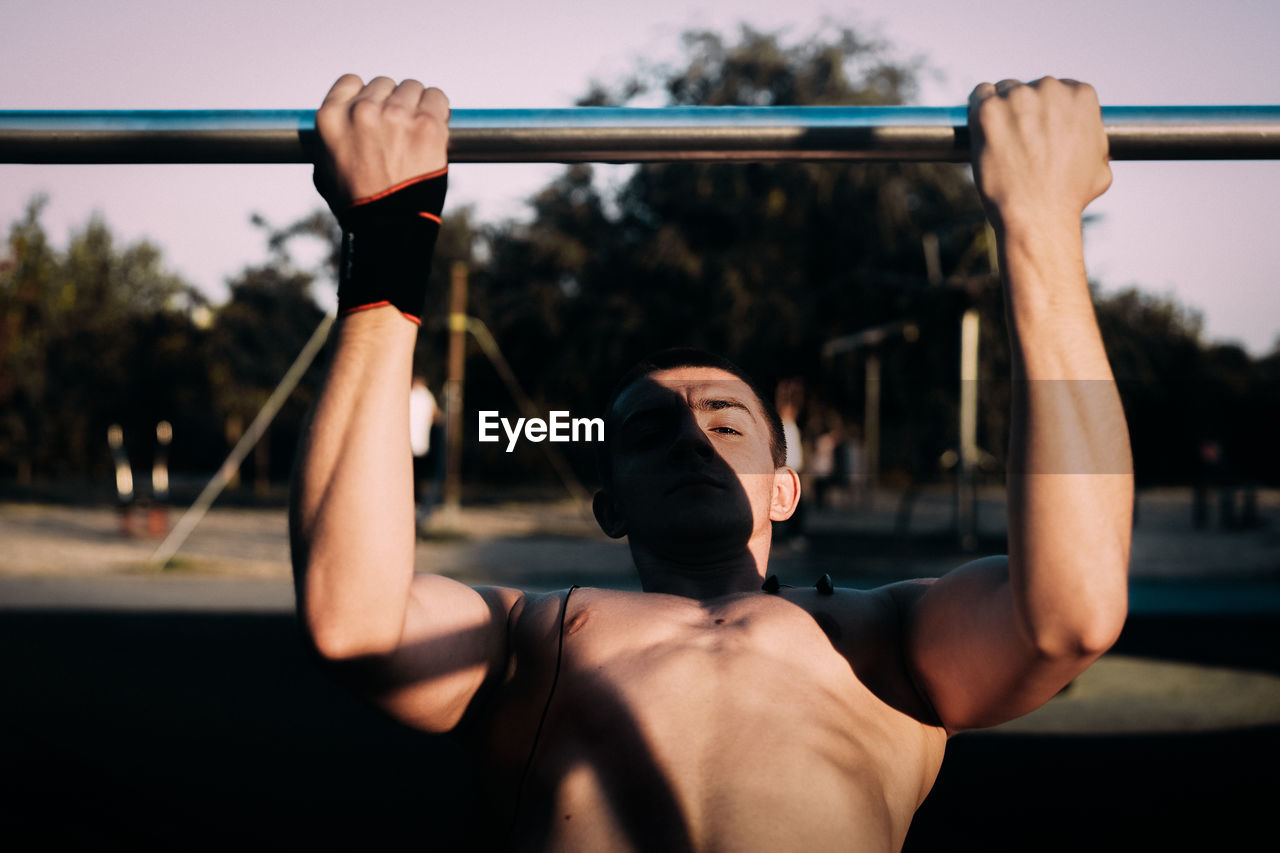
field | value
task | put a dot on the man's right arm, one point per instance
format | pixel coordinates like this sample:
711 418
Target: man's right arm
420 646
1001 636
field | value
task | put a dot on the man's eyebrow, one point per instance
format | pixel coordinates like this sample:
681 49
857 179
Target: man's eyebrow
706 404
715 404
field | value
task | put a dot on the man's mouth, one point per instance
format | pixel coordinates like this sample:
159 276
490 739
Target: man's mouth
692 480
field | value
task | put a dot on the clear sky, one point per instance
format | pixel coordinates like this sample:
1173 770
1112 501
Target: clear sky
1204 232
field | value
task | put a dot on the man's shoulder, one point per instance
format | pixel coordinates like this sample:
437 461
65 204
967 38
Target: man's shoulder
523 608
539 617
850 616
866 626
864 603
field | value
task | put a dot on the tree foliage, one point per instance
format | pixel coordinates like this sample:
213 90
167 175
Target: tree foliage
91 336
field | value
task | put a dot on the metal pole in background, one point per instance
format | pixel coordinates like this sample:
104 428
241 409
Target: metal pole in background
871 426
622 134
967 472
871 339
457 364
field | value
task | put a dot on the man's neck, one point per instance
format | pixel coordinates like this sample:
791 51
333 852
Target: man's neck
700 579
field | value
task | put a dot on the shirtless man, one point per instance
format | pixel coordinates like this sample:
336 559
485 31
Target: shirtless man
707 713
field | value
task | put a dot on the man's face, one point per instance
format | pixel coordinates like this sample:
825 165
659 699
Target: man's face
691 459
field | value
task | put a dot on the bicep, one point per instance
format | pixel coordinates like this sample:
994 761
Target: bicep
454 642
968 653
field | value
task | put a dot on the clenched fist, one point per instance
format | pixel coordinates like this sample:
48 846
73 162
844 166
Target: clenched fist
1039 150
378 135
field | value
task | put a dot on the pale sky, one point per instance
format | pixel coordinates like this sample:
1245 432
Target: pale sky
1201 231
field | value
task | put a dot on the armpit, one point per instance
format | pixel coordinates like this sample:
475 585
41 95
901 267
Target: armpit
895 682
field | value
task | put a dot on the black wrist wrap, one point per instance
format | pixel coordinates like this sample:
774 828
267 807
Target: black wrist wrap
387 243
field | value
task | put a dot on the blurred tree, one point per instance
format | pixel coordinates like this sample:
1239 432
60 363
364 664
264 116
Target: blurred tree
255 337
1154 345
82 330
27 278
1264 415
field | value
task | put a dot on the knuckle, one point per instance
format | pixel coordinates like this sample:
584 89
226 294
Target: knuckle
1021 94
365 111
342 90
329 119
436 96
981 93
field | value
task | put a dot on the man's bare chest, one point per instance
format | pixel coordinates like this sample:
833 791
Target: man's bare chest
697 677
658 653
716 709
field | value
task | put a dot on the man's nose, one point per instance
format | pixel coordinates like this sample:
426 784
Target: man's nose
690 440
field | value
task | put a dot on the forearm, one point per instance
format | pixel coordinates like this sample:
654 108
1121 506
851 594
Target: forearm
1070 483
352 511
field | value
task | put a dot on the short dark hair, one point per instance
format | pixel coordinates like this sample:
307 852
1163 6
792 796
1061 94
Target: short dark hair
677 357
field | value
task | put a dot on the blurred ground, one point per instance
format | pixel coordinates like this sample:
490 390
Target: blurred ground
506 542
163 708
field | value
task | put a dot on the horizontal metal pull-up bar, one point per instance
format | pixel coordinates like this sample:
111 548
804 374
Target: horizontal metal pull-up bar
621 134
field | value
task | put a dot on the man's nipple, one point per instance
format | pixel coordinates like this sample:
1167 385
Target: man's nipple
578 622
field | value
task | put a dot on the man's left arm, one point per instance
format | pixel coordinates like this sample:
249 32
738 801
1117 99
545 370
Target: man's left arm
1000 637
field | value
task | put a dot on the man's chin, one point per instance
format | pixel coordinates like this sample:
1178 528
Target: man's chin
698 537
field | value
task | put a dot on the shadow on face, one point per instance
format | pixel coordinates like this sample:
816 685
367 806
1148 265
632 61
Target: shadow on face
689 464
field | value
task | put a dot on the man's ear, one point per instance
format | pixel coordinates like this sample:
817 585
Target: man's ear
608 516
786 494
